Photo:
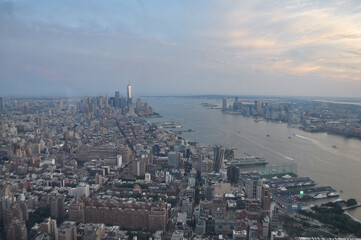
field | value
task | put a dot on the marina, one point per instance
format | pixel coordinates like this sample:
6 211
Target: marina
306 193
291 183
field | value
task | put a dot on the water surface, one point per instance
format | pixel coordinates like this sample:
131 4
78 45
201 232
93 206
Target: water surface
338 167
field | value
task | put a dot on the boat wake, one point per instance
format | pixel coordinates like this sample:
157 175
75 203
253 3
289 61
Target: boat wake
307 138
273 151
288 158
320 145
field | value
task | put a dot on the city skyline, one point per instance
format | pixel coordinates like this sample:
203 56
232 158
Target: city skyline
288 48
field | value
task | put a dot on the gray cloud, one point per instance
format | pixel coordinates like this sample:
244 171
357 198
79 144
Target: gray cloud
236 47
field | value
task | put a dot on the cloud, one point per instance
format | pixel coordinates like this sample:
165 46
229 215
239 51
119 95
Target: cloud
170 44
244 45
40 69
6 8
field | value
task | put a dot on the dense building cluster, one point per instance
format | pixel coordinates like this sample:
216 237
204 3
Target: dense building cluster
94 168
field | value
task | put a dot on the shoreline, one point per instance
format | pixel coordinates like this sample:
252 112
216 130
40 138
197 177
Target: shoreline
353 217
346 212
294 125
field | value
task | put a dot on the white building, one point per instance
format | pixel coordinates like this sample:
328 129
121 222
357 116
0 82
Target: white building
119 160
147 177
79 191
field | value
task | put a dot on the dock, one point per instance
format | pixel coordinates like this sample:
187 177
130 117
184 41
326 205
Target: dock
181 131
351 207
293 182
247 161
306 193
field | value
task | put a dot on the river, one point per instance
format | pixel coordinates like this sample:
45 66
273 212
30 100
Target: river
338 167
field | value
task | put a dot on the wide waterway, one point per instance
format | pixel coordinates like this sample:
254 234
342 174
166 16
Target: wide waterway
314 153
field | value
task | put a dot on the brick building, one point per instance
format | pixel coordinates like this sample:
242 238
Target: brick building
125 213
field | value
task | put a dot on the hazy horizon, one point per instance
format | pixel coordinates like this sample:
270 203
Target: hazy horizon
356 100
275 48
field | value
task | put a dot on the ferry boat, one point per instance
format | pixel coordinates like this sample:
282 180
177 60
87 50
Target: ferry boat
170 125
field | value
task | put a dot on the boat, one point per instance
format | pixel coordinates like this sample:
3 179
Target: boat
289 137
333 194
170 125
334 146
247 161
268 135
320 196
208 105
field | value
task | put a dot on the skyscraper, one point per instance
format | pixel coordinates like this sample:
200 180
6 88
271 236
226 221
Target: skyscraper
173 159
129 93
57 209
117 99
254 187
1 104
224 104
233 174
218 158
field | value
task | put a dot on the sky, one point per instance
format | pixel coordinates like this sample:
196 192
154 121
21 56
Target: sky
258 47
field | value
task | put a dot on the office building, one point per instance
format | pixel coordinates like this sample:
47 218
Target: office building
138 105
207 166
119 161
57 208
49 226
131 108
138 167
98 179
14 210
67 231
76 212
91 231
173 159
82 190
254 188
148 177
224 104
266 199
129 93
218 158
233 174
16 230
210 226
116 102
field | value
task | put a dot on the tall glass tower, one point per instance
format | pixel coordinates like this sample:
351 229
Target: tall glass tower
218 158
129 93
